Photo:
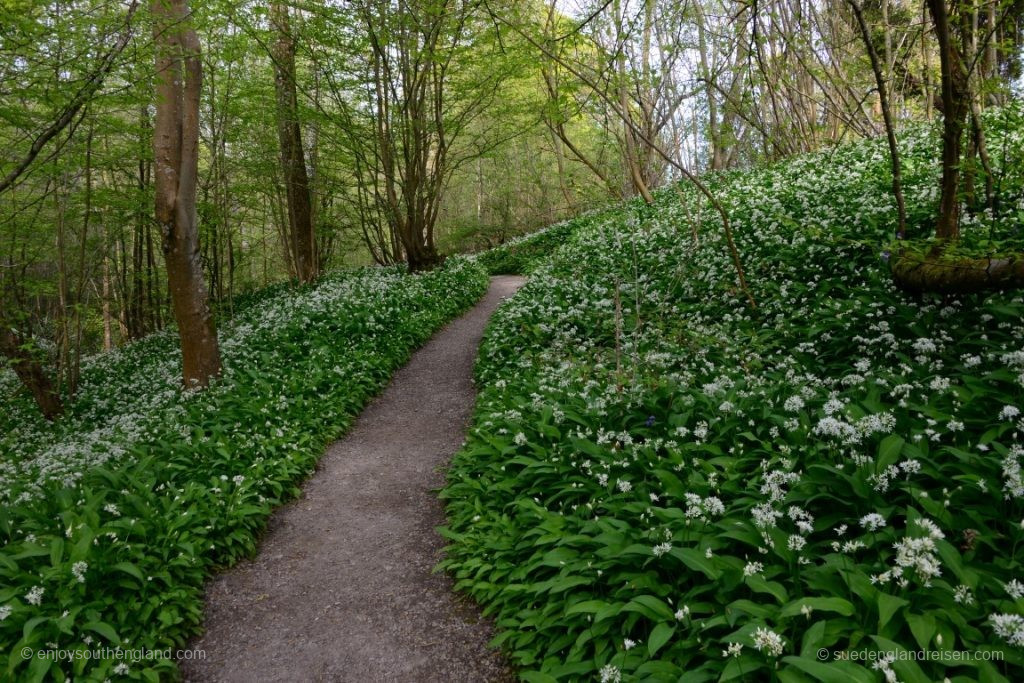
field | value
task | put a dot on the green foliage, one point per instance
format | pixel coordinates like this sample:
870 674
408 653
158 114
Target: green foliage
121 555
689 490
521 255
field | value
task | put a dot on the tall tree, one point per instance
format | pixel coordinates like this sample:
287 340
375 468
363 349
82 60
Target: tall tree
302 241
955 105
176 153
882 82
425 94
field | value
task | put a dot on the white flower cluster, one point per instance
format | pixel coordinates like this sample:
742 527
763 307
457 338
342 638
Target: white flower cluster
917 554
1009 627
115 410
769 642
872 521
1013 484
703 508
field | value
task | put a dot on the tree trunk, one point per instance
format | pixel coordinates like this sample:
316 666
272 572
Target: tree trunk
30 371
630 155
293 162
882 81
108 328
955 105
176 153
932 273
718 152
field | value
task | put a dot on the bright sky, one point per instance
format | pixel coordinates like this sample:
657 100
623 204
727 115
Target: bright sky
572 8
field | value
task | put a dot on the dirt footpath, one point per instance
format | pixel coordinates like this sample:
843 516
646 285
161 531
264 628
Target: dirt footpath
342 588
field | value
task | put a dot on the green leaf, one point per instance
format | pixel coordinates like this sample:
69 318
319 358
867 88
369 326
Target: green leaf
923 627
889 450
652 607
586 607
831 671
696 561
30 626
813 638
744 668
661 634
701 675
38 669
838 605
888 605
57 552
104 629
129 568
758 584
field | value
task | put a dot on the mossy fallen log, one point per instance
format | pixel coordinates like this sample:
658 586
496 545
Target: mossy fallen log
941 273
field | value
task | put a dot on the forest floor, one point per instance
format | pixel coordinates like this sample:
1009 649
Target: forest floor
342 588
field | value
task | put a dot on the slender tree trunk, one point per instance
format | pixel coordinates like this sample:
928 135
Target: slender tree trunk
991 66
136 311
108 334
882 81
63 293
563 179
955 105
176 152
714 137
631 158
927 58
80 289
300 208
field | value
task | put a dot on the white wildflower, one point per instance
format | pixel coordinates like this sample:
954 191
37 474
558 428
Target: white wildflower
733 650
872 521
963 596
768 640
35 596
1009 627
924 345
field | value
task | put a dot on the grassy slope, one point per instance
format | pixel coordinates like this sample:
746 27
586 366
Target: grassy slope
839 469
142 491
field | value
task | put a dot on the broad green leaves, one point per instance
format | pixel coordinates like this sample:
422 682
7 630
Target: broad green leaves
833 471
121 555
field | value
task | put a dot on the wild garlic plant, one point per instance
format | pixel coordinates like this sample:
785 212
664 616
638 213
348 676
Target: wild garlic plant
838 469
113 518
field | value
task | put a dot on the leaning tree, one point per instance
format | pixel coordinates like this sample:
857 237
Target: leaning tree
936 270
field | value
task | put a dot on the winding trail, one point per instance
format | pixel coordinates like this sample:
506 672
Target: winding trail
342 588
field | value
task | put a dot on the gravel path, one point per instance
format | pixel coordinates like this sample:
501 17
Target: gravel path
342 588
